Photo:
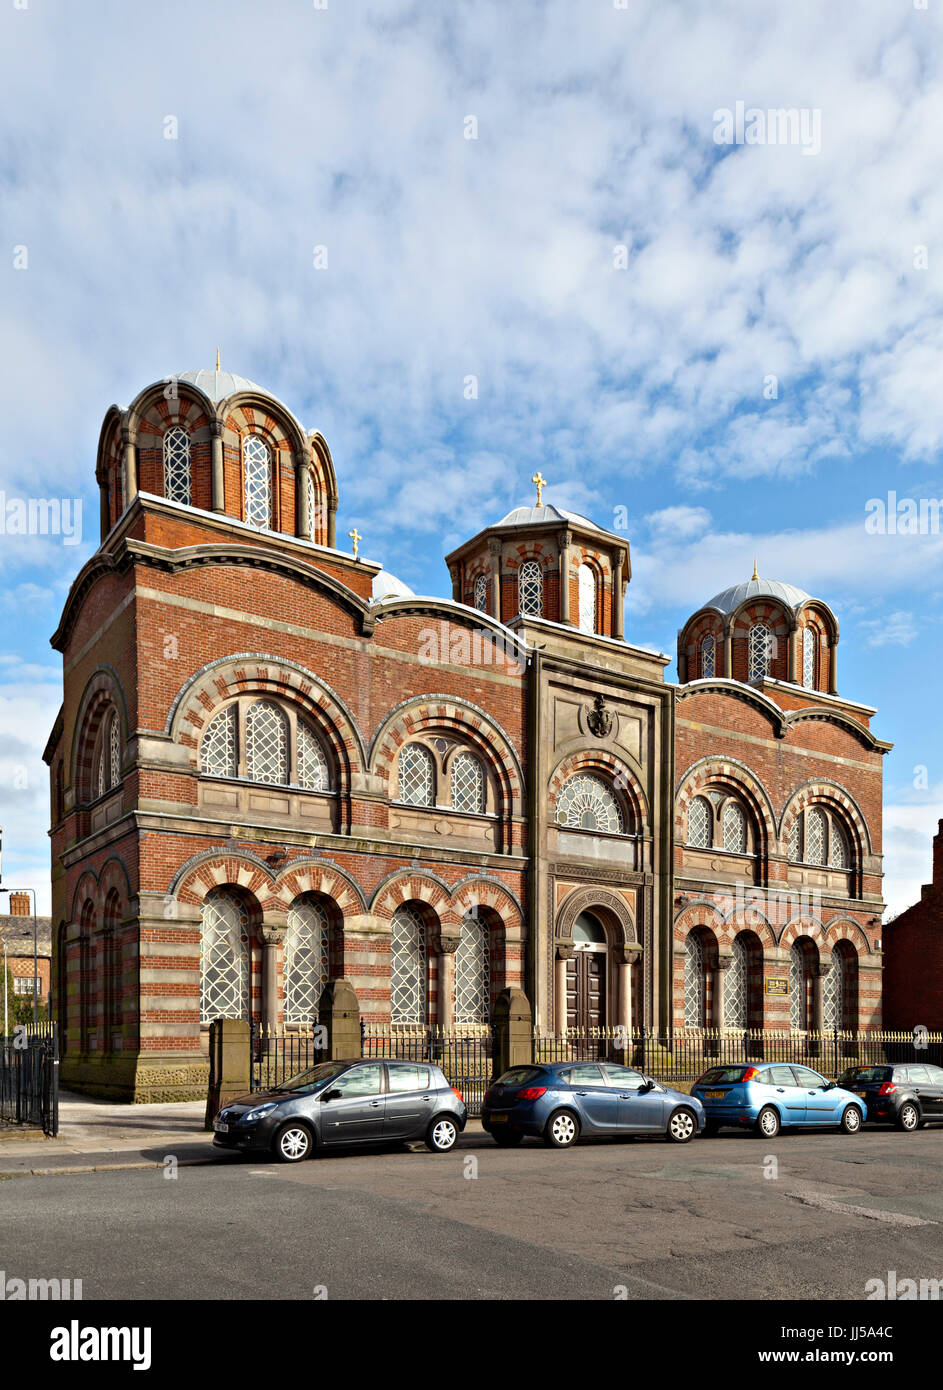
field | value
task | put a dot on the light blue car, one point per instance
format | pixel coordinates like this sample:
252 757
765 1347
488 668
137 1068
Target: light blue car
767 1097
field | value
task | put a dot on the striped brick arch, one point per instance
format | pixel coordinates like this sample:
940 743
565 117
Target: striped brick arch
615 773
846 929
484 893
728 775
255 674
810 927
226 869
443 714
407 886
317 876
837 799
103 693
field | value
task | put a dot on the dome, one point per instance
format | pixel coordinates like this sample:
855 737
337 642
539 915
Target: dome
220 385
386 585
728 600
544 515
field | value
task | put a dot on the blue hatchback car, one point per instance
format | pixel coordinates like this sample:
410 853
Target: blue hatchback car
769 1097
559 1101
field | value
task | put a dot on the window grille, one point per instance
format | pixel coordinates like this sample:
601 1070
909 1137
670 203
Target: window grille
218 755
468 784
415 775
472 972
586 803
306 960
530 589
408 967
266 743
177 465
699 823
258 481
224 957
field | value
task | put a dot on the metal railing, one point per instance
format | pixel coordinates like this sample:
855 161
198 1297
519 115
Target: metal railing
463 1053
29 1077
681 1056
277 1054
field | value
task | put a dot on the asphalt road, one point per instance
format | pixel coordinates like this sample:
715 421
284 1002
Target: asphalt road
808 1216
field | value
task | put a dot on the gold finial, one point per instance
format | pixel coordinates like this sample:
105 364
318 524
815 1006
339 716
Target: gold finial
541 482
217 359
755 575
356 537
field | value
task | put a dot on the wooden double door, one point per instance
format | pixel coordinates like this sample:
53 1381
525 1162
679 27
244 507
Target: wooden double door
586 988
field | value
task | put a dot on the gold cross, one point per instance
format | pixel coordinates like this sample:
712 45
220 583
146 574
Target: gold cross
217 359
541 482
356 537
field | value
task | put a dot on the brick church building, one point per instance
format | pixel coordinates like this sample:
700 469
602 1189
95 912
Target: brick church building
276 766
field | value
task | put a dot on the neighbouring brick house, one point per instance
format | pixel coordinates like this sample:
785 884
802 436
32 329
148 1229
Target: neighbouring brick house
913 956
16 934
276 766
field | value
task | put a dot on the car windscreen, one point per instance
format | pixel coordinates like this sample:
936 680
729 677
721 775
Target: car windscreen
314 1078
520 1076
721 1076
862 1075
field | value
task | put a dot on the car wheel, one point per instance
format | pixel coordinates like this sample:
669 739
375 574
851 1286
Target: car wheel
562 1130
908 1117
507 1138
851 1120
441 1135
682 1127
711 1129
292 1143
767 1123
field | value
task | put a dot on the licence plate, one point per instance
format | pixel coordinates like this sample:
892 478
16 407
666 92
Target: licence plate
220 1127
498 1119
714 1095
862 1094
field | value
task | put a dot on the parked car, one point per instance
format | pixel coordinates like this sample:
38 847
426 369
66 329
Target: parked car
336 1103
774 1096
907 1095
560 1101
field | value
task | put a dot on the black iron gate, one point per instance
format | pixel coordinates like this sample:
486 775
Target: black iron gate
464 1055
29 1077
276 1056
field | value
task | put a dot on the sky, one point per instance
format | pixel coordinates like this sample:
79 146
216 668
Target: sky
471 240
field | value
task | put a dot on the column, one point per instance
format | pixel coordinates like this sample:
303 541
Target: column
564 953
728 652
833 668
618 596
130 471
303 518
218 477
446 983
791 655
819 972
271 940
717 991
565 538
494 550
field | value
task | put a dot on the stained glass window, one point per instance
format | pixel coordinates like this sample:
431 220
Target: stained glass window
808 658
707 656
481 593
309 496
586 803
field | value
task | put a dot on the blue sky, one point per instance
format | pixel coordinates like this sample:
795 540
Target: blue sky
644 387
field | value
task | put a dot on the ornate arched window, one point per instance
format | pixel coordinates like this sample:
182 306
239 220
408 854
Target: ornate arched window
468 783
306 959
312 508
266 743
695 984
707 657
795 840
530 589
816 836
408 967
737 986
416 777
587 803
481 593
587 597
218 751
833 993
177 465
700 823
114 749
808 658
313 773
257 470
735 828
224 957
759 651
838 853
473 972
798 988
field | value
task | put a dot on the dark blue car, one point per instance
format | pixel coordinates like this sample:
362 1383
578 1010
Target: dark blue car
559 1101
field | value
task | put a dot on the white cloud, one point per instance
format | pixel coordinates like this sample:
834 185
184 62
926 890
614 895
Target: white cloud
897 629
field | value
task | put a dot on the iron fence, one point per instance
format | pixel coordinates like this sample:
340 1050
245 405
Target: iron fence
29 1077
680 1057
464 1054
278 1054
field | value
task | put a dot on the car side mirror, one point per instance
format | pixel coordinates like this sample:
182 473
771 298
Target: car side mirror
830 1085
647 1085
332 1095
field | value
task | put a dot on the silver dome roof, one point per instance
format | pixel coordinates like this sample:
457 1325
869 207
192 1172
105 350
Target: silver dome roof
728 600
386 585
544 515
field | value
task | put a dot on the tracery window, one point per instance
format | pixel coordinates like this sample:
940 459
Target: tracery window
695 984
530 589
266 743
218 755
309 499
808 658
481 593
833 993
224 957
735 828
416 778
473 972
587 599
707 657
736 986
760 651
587 803
408 967
468 783
177 465
306 959
798 988
257 468
700 822
114 749
257 740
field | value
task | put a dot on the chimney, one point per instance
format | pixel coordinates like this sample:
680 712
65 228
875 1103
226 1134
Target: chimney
19 902
938 859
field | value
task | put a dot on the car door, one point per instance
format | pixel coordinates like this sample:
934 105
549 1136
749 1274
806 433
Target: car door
822 1107
920 1081
638 1110
356 1113
408 1102
936 1092
597 1100
783 1090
